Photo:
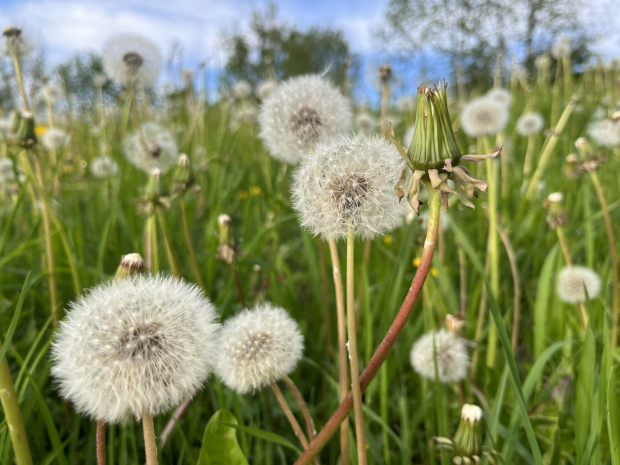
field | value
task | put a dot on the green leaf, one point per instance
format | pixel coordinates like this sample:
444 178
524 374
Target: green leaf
541 306
262 434
613 418
219 443
584 393
18 311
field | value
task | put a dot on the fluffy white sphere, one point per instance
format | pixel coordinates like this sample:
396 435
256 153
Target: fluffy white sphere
130 59
242 89
159 150
499 95
50 91
103 167
258 347
138 345
264 89
562 48
365 123
571 281
55 138
349 181
405 104
451 353
605 132
300 112
530 123
483 117
17 41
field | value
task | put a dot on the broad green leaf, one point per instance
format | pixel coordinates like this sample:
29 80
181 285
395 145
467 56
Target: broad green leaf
219 443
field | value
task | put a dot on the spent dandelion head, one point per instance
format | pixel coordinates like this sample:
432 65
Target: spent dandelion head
365 123
530 123
130 59
300 112
571 281
448 350
155 148
605 132
17 41
348 182
55 138
51 93
258 347
483 117
557 214
242 89
103 167
499 95
562 48
135 346
265 88
434 156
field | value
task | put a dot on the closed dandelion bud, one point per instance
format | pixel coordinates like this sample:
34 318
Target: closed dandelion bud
455 323
434 156
26 136
557 216
131 264
155 194
183 177
468 437
224 251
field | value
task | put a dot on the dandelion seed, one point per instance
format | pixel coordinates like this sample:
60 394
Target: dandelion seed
300 112
571 281
483 117
349 182
103 167
151 345
450 352
156 149
55 138
130 59
530 123
258 347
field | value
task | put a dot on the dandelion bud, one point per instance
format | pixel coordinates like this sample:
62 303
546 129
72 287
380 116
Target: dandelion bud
385 73
183 178
434 156
155 194
224 221
131 264
455 324
26 135
557 216
468 437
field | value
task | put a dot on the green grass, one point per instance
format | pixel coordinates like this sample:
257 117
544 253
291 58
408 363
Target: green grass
279 262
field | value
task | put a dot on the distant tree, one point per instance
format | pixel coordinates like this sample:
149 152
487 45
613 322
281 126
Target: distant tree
274 49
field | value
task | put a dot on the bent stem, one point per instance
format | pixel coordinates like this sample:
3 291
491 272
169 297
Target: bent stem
612 255
343 376
390 338
150 446
302 405
190 247
289 415
178 413
13 416
360 434
101 459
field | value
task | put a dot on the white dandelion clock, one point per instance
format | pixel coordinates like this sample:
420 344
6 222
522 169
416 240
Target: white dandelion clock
562 48
140 345
50 92
484 117
300 112
449 351
405 104
499 95
130 59
349 182
605 133
156 149
530 123
16 41
265 88
100 80
365 123
258 347
571 281
55 139
103 167
242 89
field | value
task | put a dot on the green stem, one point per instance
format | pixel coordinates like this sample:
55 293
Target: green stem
353 357
190 247
20 81
13 416
172 259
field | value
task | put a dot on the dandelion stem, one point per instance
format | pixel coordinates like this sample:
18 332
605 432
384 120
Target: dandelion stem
343 376
527 165
390 338
353 357
13 416
289 415
190 247
150 446
178 413
516 314
101 458
583 315
325 301
302 405
20 81
172 259
612 255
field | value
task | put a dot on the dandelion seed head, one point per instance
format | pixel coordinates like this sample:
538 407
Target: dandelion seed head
16 41
572 279
100 80
157 150
349 181
483 117
265 88
130 59
52 91
562 48
138 345
103 167
300 112
55 138
365 123
242 89
451 354
257 347
606 132
499 95
530 123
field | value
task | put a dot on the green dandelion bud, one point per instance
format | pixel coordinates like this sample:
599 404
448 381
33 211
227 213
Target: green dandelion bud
557 215
155 195
26 135
434 156
468 437
183 177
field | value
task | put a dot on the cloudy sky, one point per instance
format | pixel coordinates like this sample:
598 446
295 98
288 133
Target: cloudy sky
67 26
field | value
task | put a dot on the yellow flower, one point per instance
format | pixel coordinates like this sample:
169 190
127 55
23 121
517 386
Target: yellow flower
434 272
243 195
256 190
387 240
40 129
416 262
